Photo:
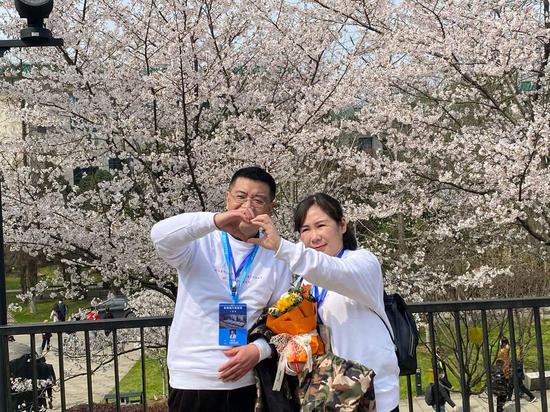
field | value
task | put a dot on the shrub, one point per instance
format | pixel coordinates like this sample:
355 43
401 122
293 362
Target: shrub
111 407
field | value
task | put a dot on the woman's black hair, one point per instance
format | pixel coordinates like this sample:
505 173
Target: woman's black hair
332 208
504 342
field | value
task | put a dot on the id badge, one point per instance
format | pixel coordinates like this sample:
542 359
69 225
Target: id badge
233 319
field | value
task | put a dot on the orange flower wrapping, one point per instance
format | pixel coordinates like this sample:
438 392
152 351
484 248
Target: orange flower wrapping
301 319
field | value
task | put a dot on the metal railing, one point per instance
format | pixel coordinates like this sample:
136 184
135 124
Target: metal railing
483 307
61 329
453 311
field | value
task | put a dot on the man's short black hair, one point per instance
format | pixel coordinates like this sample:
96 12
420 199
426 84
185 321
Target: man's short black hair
258 174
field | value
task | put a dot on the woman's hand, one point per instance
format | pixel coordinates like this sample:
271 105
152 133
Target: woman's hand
271 238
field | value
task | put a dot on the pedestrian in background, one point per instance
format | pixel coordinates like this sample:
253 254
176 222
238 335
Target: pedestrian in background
61 310
46 336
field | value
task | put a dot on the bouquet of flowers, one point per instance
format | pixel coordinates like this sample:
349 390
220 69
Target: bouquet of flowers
294 320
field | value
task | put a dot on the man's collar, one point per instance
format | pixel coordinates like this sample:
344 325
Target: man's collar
257 236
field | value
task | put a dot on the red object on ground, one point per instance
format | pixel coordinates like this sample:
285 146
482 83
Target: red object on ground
92 315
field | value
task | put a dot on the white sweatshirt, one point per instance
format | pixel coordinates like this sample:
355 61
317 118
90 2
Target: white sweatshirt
191 243
355 287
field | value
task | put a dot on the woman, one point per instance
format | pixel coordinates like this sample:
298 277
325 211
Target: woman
352 278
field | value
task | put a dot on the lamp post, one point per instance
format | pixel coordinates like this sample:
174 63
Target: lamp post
5 389
34 35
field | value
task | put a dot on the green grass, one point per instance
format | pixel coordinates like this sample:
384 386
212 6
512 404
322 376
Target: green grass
131 382
47 271
12 282
43 309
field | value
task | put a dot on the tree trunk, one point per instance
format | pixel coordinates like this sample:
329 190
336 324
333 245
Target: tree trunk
32 305
27 267
402 247
31 275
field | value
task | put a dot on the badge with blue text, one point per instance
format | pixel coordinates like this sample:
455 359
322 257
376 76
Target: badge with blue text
233 319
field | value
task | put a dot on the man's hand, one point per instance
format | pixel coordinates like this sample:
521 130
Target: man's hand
230 220
241 360
271 239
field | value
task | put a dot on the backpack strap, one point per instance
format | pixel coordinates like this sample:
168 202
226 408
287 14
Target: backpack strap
386 325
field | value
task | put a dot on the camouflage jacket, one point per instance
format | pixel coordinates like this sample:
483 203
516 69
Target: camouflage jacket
335 384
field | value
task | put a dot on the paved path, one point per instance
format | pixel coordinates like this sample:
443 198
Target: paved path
76 389
477 404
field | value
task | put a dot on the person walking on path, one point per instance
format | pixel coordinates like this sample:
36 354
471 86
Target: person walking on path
46 337
520 374
61 309
444 393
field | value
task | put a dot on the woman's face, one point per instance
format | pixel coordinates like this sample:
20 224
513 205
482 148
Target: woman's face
320 232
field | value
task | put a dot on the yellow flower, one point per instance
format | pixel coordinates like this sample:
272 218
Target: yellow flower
284 302
475 335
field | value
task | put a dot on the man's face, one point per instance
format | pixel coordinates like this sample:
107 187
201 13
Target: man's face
249 193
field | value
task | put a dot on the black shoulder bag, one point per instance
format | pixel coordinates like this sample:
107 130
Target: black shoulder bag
405 332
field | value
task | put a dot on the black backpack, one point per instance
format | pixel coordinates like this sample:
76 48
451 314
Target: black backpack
429 395
405 332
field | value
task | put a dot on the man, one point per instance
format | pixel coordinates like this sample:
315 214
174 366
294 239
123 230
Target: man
224 283
60 310
444 393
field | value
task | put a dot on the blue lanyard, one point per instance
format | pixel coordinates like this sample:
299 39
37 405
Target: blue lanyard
320 297
236 281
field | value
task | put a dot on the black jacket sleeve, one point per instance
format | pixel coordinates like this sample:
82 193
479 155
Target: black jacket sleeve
285 400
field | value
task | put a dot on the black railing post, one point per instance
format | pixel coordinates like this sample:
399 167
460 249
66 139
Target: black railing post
409 392
60 354
143 371
36 406
418 382
434 358
167 338
461 364
540 359
5 388
89 371
115 361
514 358
487 361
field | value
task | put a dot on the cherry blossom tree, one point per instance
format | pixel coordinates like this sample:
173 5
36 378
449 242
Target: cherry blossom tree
180 94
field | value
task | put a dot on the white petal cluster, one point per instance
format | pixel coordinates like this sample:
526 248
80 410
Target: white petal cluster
454 195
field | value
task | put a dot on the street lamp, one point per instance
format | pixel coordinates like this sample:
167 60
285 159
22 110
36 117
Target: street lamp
35 34
35 11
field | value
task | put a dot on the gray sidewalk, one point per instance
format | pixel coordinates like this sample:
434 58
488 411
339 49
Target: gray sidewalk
76 389
477 404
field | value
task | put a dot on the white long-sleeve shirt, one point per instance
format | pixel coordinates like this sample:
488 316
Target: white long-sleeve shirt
355 288
192 244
